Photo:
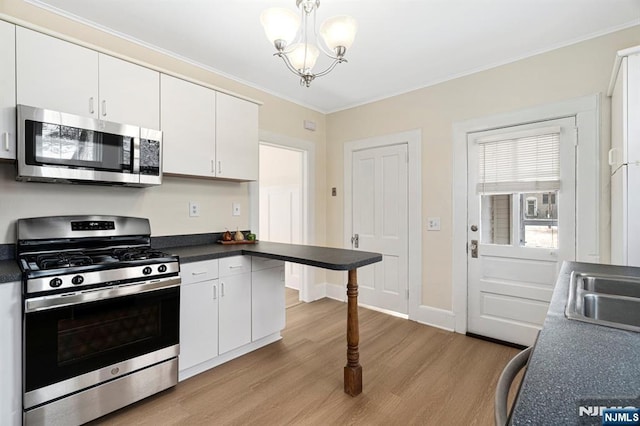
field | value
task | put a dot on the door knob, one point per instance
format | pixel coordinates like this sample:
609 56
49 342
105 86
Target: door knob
474 228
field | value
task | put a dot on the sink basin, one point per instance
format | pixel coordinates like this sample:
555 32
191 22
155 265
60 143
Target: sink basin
619 286
608 300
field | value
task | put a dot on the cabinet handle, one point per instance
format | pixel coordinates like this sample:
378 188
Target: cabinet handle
215 293
91 107
235 267
221 289
219 167
199 273
104 108
5 141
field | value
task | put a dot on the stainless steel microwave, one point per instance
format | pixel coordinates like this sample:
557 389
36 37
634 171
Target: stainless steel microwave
58 147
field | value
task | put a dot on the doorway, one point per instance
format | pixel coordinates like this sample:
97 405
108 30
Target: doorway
283 203
379 175
589 220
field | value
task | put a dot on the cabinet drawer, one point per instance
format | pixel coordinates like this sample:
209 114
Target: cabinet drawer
260 263
234 265
196 272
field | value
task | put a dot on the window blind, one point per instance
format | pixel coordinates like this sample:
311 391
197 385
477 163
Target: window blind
523 162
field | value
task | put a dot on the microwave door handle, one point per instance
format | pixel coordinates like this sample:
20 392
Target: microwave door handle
136 155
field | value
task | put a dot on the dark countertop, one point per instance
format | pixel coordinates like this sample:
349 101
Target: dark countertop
9 271
577 364
321 257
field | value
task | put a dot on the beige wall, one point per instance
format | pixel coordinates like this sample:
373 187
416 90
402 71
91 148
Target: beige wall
567 73
166 205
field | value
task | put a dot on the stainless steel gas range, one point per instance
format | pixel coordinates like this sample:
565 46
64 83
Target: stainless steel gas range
101 316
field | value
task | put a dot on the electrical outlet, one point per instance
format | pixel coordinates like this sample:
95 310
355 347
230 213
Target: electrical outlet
235 209
433 224
194 209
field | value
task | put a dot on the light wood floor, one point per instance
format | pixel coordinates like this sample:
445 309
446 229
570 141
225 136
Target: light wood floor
291 297
413 374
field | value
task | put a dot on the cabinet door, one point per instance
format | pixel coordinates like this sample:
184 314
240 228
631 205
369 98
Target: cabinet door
55 74
235 312
236 138
129 93
10 354
8 91
267 302
187 113
198 323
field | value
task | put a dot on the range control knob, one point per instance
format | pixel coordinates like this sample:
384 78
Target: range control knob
77 280
162 268
146 270
55 282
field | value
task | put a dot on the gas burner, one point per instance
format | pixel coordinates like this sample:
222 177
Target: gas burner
62 260
138 253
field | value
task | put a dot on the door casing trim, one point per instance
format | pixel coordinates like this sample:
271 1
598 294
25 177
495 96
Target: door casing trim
587 112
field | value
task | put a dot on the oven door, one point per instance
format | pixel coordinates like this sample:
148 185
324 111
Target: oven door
58 146
78 340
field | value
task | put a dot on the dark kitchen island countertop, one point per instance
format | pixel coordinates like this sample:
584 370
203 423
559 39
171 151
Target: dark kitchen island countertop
576 364
320 257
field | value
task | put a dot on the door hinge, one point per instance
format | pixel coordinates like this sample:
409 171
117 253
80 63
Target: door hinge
467 247
575 136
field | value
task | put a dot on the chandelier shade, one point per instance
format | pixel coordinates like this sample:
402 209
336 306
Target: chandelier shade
296 39
280 24
339 31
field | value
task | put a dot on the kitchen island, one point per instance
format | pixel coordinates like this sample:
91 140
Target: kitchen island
577 367
320 257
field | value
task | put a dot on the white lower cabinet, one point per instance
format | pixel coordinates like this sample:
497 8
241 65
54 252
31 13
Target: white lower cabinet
10 354
228 307
267 297
235 303
198 323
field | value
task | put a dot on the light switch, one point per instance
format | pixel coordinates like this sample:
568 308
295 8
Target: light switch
235 207
433 224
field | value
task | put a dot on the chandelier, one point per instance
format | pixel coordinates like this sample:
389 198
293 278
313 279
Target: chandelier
296 48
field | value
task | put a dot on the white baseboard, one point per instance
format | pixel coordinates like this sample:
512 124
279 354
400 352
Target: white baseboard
336 291
435 317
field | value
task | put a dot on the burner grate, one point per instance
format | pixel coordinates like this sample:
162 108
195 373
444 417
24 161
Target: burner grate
62 260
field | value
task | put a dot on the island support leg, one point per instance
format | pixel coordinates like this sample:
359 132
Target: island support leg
353 369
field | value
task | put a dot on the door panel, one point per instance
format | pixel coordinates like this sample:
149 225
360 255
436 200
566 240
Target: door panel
380 219
522 237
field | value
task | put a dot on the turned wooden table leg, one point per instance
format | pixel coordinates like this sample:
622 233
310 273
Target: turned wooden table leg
353 369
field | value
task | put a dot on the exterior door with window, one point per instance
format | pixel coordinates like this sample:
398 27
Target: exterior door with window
521 225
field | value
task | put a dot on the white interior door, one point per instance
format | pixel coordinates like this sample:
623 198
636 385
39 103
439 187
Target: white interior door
379 208
519 229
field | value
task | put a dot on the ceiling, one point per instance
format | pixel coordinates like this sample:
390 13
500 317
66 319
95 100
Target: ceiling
401 45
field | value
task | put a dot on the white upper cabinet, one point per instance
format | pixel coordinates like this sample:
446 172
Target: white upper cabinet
129 93
62 76
236 138
187 119
8 91
55 74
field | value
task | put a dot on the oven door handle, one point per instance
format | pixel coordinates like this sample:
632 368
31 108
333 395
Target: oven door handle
44 303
